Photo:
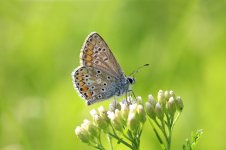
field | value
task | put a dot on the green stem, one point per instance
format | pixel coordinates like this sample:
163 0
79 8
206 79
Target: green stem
100 144
175 120
169 140
157 135
109 139
131 140
120 140
163 129
97 147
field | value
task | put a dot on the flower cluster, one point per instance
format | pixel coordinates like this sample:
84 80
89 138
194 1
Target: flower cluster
124 121
163 114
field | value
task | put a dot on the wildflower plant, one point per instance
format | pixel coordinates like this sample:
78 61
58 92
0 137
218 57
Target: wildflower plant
124 121
163 114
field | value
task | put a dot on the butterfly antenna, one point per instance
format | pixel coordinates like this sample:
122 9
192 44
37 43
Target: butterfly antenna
138 69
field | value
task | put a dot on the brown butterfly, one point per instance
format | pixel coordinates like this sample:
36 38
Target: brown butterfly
99 76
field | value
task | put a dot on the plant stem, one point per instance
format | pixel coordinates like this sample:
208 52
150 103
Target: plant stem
176 118
100 144
157 135
169 140
120 140
109 139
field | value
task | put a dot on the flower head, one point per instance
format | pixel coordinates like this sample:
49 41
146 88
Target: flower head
159 111
171 106
133 121
82 134
150 108
179 104
89 126
161 97
141 113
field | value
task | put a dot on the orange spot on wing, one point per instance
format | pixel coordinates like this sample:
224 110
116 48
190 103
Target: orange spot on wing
88 58
90 46
81 83
89 52
84 88
89 95
79 78
88 64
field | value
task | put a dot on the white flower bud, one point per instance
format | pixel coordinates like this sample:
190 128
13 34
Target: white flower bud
92 130
93 112
179 104
100 122
115 121
172 94
167 95
150 108
103 113
124 111
82 134
114 105
161 97
132 108
141 113
139 100
133 121
151 100
101 109
171 106
159 111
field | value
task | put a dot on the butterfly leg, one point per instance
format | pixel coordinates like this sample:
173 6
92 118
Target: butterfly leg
115 101
127 101
133 94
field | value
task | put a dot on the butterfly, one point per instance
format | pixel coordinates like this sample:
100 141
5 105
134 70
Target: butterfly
99 76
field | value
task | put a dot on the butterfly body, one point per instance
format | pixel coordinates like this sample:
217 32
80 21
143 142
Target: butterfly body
99 76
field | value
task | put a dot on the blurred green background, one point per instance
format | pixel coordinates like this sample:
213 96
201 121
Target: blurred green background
40 42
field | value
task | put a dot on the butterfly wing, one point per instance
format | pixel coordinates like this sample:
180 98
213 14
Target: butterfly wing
94 84
96 53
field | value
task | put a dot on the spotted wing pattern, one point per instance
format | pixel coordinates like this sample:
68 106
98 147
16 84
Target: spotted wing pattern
99 76
94 84
96 53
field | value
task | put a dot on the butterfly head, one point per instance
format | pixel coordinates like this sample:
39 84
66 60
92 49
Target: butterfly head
131 80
